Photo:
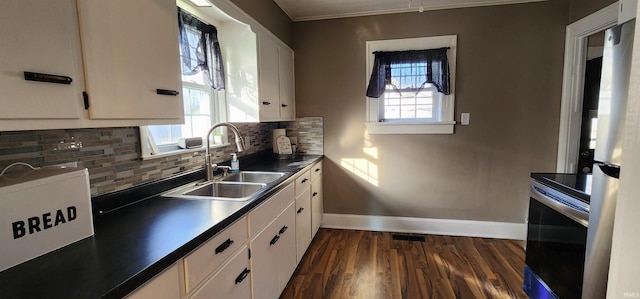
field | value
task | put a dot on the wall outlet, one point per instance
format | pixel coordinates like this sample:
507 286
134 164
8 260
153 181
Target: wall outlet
464 119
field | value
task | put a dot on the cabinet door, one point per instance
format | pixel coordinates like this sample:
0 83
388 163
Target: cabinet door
286 246
41 37
303 223
273 255
231 282
269 100
264 263
316 205
165 285
287 83
130 50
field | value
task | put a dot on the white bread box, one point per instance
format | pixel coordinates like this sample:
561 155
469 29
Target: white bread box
42 210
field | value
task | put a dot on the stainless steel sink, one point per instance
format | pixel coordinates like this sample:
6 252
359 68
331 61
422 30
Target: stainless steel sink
240 186
262 177
218 191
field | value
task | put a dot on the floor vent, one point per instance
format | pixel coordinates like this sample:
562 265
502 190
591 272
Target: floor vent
408 238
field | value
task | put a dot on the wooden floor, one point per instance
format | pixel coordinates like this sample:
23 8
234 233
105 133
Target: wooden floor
368 265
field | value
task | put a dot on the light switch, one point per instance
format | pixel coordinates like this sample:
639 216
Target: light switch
464 119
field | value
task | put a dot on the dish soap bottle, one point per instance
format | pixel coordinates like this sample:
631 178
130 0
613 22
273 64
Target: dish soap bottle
235 164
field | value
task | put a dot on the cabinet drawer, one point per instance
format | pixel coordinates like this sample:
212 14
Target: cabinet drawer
208 257
303 182
265 212
316 171
164 285
232 281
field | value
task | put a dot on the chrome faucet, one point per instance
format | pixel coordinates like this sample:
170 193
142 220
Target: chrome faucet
210 168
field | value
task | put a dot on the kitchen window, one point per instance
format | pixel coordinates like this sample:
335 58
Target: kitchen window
202 88
407 102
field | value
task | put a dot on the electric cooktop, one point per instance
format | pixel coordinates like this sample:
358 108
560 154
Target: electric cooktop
576 185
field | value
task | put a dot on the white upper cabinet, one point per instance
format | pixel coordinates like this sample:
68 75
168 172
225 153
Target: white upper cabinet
130 50
276 73
39 37
131 59
269 81
287 84
259 71
240 53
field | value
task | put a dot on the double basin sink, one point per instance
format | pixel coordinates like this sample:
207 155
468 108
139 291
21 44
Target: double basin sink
239 186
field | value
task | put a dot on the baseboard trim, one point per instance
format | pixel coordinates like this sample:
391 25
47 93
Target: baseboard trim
468 228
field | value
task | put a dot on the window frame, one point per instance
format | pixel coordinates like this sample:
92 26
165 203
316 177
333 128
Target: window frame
443 122
435 106
218 114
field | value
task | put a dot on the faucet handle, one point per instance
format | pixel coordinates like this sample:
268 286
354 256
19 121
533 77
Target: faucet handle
225 169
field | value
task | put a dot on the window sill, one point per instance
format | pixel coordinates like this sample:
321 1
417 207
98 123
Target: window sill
445 127
181 151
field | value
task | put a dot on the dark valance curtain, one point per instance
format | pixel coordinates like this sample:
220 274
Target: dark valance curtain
200 50
434 62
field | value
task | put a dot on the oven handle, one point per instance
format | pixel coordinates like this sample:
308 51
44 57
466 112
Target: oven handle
575 215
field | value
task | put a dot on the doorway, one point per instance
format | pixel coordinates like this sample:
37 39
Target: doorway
589 123
573 84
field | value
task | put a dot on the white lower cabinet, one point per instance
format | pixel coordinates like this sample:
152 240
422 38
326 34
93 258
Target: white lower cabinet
287 261
231 281
163 286
316 206
273 255
255 256
209 256
317 200
303 221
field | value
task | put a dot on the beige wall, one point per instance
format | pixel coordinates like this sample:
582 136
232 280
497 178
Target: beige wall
509 78
582 8
269 14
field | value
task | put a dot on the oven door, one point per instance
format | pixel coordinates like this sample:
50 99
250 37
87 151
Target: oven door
556 243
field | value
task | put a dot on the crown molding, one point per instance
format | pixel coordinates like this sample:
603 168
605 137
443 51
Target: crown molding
291 14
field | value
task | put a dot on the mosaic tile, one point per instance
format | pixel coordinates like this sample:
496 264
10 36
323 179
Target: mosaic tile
112 155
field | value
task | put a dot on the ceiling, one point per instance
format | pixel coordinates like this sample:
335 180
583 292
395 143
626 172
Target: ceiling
306 10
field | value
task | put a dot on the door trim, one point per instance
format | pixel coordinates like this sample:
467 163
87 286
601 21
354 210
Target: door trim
573 83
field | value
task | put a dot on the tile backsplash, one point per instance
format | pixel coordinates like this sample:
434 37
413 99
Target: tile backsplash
112 155
310 134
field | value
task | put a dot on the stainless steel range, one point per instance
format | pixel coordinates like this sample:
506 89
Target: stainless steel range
557 235
569 241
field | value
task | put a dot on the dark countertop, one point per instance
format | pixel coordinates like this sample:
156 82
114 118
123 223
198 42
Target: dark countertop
575 185
134 243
